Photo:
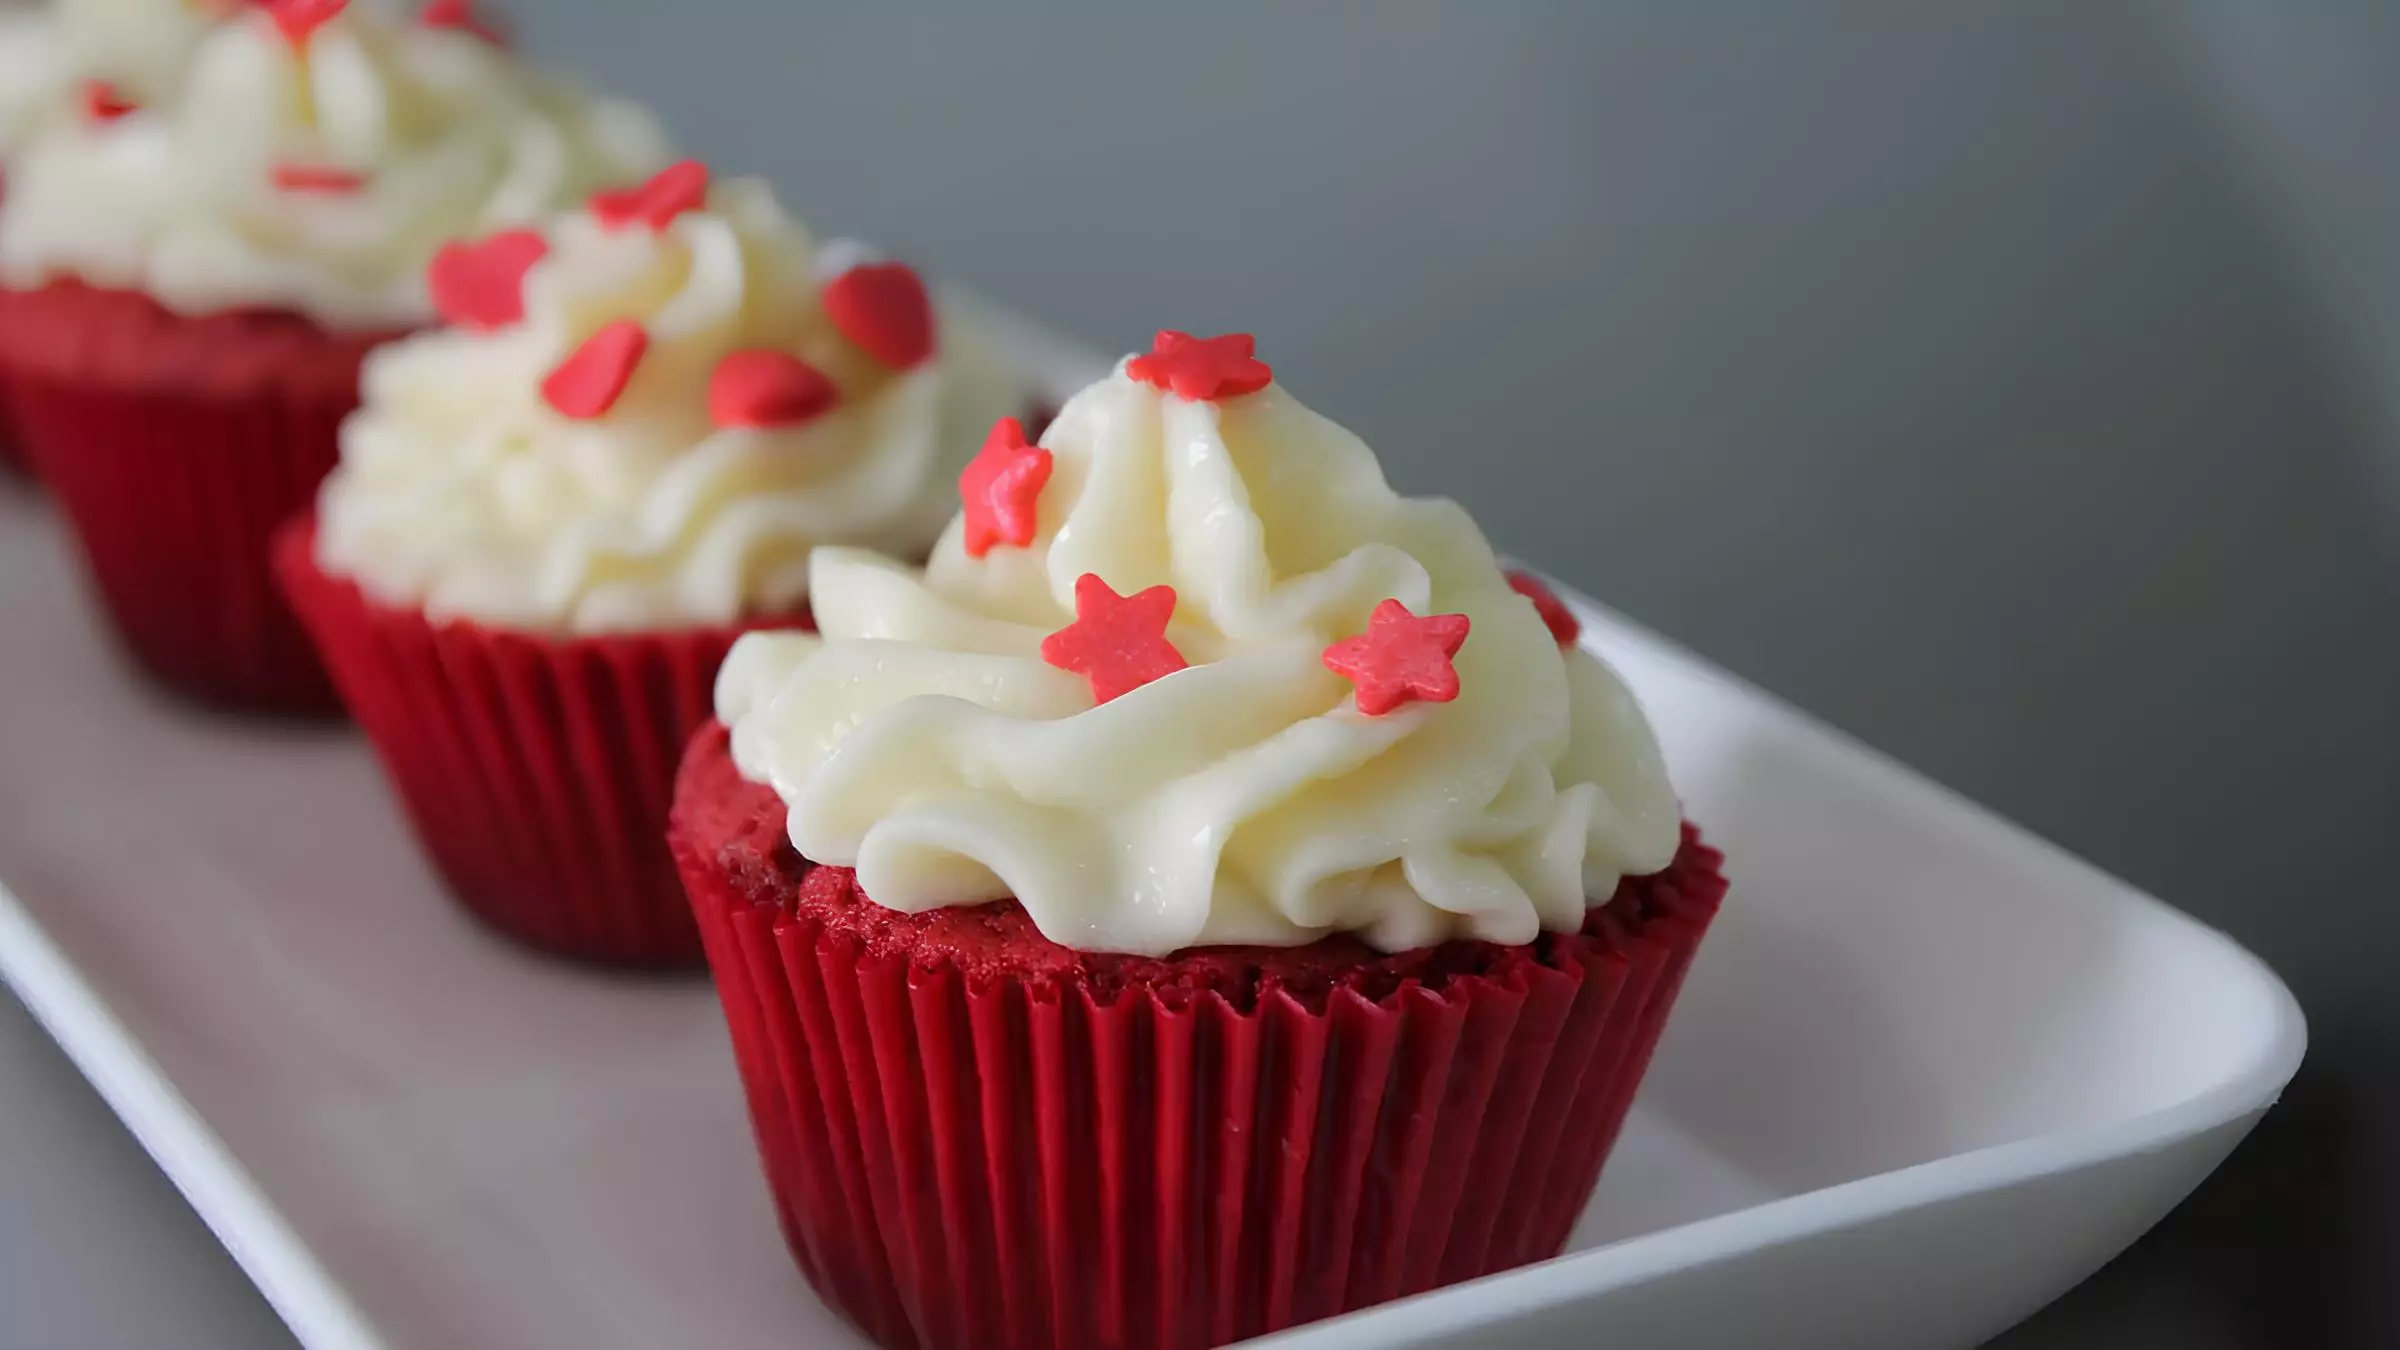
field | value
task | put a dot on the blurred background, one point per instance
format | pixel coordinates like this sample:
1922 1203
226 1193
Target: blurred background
2014 386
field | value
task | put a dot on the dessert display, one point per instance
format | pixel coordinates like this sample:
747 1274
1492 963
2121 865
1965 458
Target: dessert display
1164 886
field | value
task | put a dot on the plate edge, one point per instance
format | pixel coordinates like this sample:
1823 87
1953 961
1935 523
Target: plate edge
2243 1096
216 1186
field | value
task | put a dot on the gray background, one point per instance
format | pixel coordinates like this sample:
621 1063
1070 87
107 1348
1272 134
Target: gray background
2014 386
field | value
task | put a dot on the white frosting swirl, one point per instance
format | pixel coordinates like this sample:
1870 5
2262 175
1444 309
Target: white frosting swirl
445 134
462 492
32 74
139 47
925 741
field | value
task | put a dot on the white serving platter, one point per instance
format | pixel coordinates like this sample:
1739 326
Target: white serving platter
1928 1073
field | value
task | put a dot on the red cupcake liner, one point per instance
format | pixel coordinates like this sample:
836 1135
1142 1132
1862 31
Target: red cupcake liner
176 446
964 1159
13 463
535 770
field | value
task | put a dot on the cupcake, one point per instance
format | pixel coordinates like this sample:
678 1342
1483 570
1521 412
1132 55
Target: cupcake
194 281
89 59
552 517
1209 896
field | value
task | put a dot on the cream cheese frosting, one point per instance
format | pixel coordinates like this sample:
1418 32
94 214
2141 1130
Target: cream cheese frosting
33 76
646 415
1190 673
129 50
314 157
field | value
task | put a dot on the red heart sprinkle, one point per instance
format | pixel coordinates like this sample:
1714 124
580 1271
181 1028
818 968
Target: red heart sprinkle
1562 621
1002 488
300 19
461 16
1202 369
884 311
102 102
766 388
673 190
317 178
1118 642
1401 658
481 285
588 383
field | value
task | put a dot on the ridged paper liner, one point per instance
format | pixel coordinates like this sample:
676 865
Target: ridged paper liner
13 463
536 770
979 1161
176 446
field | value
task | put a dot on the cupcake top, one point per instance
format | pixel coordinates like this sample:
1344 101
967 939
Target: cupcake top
644 415
1189 673
94 58
314 157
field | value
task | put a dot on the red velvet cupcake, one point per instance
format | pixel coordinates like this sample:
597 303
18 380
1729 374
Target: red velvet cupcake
81 62
175 446
553 516
194 277
1210 896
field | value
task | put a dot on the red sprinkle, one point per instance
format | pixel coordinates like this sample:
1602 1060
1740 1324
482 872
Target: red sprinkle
1401 658
481 285
1117 642
766 388
1202 369
1002 487
461 16
588 383
300 19
317 178
102 102
1562 621
673 190
883 309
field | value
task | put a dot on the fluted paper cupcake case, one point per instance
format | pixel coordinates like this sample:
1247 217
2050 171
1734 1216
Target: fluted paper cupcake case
967 1158
176 446
13 463
12 455
535 770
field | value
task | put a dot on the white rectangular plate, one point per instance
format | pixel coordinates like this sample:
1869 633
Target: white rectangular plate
1928 1073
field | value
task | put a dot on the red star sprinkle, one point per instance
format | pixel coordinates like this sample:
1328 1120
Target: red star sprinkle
460 15
1117 642
481 285
1202 369
299 20
102 102
765 388
1562 621
317 178
882 308
1401 658
673 190
1001 487
588 383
